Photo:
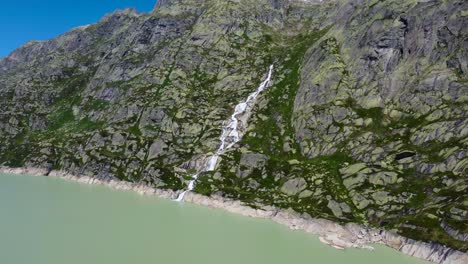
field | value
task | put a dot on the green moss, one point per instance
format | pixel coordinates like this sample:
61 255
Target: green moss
203 185
121 174
135 130
15 156
375 113
171 180
428 230
96 104
60 117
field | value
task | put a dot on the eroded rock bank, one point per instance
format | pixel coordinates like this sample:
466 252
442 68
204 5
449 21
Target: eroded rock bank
336 235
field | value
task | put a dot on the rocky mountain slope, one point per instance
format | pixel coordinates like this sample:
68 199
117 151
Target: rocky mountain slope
365 119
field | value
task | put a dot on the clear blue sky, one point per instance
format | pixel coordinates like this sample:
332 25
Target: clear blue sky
24 20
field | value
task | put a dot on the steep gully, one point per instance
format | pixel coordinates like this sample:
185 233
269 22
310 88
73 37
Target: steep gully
232 132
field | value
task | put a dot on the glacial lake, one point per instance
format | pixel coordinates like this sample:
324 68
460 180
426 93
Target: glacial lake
52 221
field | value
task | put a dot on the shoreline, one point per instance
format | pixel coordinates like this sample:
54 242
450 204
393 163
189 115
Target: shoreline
338 236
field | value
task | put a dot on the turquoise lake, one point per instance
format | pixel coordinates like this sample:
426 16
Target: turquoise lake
51 221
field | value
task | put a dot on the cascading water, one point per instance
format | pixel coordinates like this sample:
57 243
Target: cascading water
232 132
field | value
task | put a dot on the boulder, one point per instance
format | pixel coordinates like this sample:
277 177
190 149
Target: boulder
294 186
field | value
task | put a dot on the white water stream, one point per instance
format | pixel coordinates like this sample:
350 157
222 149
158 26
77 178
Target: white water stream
232 132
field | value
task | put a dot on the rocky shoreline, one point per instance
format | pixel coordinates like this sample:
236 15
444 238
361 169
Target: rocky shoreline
333 234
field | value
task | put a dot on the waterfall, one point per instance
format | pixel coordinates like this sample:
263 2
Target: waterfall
232 132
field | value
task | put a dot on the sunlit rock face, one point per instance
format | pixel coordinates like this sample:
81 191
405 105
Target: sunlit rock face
364 119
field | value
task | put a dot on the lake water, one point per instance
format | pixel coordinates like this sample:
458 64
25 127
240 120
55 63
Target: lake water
51 221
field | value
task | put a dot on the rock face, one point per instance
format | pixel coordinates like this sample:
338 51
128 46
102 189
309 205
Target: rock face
294 186
365 120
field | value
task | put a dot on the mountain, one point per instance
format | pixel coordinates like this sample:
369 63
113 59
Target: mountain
365 119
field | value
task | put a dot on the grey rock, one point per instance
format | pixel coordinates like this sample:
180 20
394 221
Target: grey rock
294 186
156 149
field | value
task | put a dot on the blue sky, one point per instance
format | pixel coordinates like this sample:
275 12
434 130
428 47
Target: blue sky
24 20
